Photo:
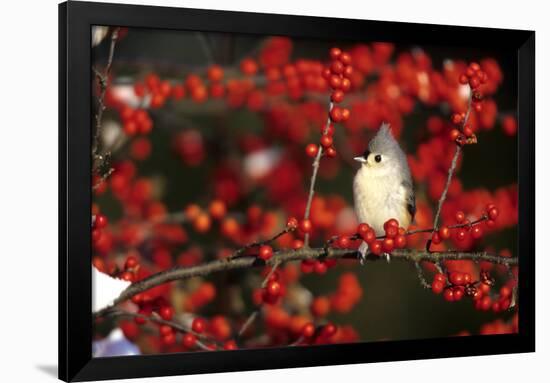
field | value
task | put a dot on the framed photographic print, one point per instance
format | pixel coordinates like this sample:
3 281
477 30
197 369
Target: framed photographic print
248 191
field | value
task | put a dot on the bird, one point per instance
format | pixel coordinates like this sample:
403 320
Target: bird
383 188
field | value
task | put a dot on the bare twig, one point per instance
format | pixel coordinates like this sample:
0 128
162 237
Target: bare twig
103 79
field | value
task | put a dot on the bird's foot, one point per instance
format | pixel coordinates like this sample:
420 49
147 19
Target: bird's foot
363 251
387 256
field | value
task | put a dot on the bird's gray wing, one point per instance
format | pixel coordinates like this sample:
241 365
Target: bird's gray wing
410 199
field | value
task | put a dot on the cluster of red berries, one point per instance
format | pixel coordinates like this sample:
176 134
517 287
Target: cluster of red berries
99 222
135 121
394 237
474 77
317 335
131 266
464 227
456 285
338 75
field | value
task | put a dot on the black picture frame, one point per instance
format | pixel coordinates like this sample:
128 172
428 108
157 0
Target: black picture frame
75 288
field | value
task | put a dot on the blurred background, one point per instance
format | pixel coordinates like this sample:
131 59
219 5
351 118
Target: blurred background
206 135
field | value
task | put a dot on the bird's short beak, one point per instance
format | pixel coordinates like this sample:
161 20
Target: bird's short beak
360 159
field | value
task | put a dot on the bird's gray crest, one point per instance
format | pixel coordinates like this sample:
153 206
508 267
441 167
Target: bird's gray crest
383 142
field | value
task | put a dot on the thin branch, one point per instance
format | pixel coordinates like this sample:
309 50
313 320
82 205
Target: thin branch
255 313
179 273
238 253
103 79
452 168
153 318
316 163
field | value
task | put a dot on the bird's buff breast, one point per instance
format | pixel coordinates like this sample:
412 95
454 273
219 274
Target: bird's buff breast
377 199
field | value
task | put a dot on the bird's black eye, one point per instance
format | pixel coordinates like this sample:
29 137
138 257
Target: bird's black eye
378 158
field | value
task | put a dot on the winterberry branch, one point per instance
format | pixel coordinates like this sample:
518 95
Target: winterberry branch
452 168
306 253
316 163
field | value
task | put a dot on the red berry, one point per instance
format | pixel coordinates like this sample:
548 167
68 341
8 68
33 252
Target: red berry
460 216
329 330
305 226
100 221
249 66
437 287
131 262
505 292
215 73
198 325
348 71
456 118
331 152
308 330
337 67
468 132
376 247
312 150
346 84
388 245
474 82
320 267
369 237
458 293
169 339
127 276
230 345
166 313
273 288
448 294
297 244
476 232
400 241
165 329
391 231
326 141
265 252
189 340
454 134
456 278
460 235
336 114
444 232
343 242
463 79
337 96
362 229
436 239
335 82
493 213
335 53
292 223
345 58
440 277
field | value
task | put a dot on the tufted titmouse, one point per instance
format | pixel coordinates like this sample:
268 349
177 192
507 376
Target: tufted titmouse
383 187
